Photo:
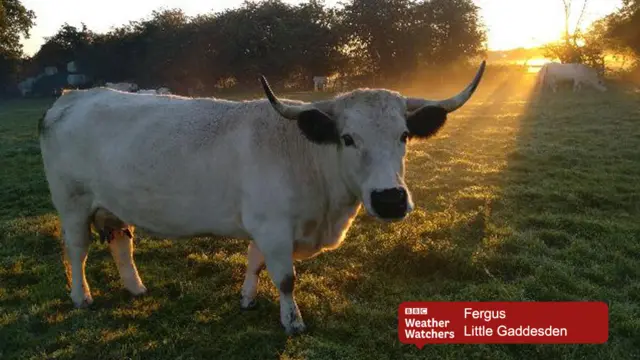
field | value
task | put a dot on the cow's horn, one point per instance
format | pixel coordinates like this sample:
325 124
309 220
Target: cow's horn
453 103
290 112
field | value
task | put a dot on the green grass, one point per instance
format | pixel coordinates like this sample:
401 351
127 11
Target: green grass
517 199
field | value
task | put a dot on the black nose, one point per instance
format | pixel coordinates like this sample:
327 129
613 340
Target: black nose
389 203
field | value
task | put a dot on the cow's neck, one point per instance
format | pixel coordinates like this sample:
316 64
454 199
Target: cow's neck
340 195
340 207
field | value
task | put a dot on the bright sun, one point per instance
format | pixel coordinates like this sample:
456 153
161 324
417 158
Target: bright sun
525 23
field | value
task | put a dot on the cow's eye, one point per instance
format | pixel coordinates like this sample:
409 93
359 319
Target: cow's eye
348 140
404 137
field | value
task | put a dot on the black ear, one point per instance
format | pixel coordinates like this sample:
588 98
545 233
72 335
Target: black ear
318 127
426 121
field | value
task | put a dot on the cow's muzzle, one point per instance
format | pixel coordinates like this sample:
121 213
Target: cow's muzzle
390 204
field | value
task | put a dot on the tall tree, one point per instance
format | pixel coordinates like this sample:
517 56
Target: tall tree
161 41
394 37
448 30
64 46
15 20
276 39
624 26
377 35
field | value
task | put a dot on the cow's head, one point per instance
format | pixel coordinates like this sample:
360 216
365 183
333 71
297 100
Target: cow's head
370 129
594 77
600 85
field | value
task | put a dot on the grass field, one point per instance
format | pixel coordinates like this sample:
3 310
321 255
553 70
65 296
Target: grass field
517 199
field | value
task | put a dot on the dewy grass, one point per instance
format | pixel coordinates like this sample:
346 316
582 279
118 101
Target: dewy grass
518 198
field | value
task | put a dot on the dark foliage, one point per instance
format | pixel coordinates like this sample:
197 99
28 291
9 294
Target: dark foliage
386 39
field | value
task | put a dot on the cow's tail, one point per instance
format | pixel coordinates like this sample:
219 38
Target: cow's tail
57 110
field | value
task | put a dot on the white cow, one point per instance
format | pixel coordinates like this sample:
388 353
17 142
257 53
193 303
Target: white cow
552 73
319 82
77 79
26 86
147 91
159 91
123 86
288 176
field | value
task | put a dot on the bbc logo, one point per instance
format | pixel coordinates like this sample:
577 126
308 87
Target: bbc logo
416 311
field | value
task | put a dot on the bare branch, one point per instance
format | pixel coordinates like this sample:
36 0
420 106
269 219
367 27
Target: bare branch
584 7
567 13
573 37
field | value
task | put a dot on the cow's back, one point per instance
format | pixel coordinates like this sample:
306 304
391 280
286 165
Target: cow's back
163 156
562 71
181 166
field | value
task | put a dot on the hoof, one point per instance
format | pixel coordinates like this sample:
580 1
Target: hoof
83 303
295 328
138 291
248 304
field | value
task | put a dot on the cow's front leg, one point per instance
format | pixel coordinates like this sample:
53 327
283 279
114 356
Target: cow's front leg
277 248
280 267
255 265
122 250
274 238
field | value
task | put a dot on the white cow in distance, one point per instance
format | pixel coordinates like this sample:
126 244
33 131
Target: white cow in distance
579 74
147 91
159 91
319 82
26 86
123 86
287 176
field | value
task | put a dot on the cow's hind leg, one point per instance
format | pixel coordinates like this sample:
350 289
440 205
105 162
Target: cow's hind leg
255 265
77 237
121 247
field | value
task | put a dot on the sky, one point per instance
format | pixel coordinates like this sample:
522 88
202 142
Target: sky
510 23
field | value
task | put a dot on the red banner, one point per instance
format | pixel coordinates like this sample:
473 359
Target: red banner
422 323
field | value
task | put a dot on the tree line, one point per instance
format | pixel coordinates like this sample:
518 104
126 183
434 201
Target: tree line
288 43
363 40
